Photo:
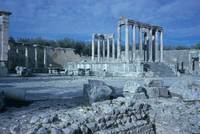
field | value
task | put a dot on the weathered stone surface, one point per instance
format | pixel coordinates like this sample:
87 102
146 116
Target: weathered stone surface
154 83
56 131
42 130
131 87
188 89
97 91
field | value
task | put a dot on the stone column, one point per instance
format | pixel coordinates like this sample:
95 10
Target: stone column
118 42
113 47
126 42
156 46
26 56
98 50
108 48
161 46
93 46
150 46
4 28
145 46
45 57
134 43
104 49
140 45
36 56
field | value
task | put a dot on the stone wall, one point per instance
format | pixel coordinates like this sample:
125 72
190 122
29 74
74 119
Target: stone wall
174 57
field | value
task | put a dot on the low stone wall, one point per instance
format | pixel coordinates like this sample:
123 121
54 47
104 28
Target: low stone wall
112 69
113 116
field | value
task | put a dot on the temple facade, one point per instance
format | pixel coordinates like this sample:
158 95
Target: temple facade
143 42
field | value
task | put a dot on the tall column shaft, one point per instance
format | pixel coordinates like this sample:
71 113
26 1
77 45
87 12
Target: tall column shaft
126 43
134 43
26 56
93 45
45 57
118 42
161 46
108 48
156 46
36 57
113 48
98 50
140 43
104 49
150 46
1 39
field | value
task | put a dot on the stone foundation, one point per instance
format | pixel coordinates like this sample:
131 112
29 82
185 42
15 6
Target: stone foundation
3 70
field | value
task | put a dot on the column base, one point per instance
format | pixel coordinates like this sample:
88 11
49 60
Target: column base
3 69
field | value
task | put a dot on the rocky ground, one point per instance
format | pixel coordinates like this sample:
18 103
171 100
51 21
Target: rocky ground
144 108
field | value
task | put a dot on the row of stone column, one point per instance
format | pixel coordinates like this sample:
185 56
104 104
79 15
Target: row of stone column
36 56
150 38
100 40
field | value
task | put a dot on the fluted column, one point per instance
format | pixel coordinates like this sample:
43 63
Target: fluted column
118 42
104 55
93 45
126 43
108 48
140 45
145 46
98 50
150 46
156 46
161 46
134 43
26 56
113 47
45 57
36 56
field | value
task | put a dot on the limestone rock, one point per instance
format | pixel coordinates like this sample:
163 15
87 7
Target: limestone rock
97 91
131 87
55 131
42 130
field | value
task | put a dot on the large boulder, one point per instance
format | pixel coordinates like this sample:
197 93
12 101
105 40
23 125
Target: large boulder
97 90
135 90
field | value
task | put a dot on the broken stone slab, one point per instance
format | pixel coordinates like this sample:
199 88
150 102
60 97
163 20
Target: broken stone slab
134 90
158 92
97 90
131 87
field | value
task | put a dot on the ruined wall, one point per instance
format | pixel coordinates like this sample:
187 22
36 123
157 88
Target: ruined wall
63 56
174 57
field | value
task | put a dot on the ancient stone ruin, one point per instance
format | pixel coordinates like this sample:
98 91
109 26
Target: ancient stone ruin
138 89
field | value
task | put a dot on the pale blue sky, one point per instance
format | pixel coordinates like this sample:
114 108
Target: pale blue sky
55 19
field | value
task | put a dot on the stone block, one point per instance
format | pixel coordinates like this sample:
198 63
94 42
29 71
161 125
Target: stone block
96 91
